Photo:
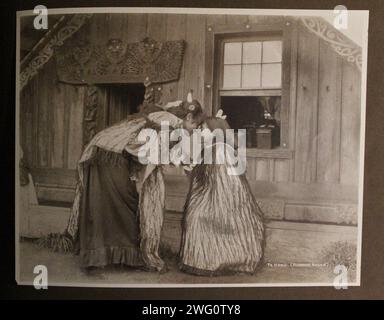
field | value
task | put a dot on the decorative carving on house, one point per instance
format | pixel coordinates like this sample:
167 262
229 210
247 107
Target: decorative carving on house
119 62
338 41
90 114
272 208
55 39
153 92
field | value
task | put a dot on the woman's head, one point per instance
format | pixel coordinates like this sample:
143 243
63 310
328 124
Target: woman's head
190 112
213 123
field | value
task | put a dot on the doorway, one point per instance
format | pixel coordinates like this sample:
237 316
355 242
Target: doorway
121 100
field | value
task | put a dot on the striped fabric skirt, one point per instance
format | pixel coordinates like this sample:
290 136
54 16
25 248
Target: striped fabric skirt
222 226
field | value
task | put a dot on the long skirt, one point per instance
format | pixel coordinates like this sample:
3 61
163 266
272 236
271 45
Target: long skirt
222 226
109 229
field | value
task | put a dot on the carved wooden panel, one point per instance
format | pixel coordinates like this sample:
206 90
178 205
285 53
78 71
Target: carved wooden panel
90 114
54 40
118 62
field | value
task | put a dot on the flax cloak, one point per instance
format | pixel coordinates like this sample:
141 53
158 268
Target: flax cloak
119 138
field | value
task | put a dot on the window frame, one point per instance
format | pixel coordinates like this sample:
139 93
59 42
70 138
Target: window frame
242 39
286 31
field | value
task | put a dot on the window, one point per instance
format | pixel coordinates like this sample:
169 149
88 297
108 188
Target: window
252 64
250 86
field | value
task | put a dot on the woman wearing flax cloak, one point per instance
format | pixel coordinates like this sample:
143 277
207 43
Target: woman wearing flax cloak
222 225
117 213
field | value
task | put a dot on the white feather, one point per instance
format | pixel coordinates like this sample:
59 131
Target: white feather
172 104
220 114
189 97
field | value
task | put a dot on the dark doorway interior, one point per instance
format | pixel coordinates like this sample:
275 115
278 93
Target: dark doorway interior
122 100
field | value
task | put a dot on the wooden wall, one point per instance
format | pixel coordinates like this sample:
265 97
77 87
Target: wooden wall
324 113
324 120
51 121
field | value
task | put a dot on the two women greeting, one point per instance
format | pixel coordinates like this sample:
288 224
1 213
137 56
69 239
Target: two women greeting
117 214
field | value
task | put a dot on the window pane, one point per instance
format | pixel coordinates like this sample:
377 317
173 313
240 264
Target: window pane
232 53
248 112
251 76
232 76
271 75
252 52
272 51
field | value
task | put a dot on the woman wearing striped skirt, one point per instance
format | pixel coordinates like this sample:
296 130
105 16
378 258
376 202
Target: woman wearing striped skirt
222 226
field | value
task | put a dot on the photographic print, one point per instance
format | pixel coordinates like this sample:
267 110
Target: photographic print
169 147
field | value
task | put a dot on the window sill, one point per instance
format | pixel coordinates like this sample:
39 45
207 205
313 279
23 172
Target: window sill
277 153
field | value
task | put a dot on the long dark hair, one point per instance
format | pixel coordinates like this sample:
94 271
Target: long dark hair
219 123
194 108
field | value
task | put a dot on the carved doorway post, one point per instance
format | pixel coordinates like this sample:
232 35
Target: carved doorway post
93 113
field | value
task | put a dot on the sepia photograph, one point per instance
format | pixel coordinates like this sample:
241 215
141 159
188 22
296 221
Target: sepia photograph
171 147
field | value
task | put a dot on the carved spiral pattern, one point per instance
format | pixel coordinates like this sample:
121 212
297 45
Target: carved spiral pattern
46 53
340 43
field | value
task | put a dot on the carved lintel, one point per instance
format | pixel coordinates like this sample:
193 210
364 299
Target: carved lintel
118 62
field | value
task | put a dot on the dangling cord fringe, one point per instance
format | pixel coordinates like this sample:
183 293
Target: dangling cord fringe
65 242
59 242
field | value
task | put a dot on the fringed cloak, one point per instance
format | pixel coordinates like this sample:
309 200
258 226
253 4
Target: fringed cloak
117 139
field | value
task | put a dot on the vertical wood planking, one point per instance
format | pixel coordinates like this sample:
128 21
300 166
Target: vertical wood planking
135 27
113 108
194 57
35 110
209 80
27 123
271 166
99 29
286 80
23 124
293 97
59 130
157 26
28 146
117 23
262 169
68 100
328 146
307 103
350 125
281 170
157 30
201 20
251 169
53 81
75 130
102 107
176 30
43 126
